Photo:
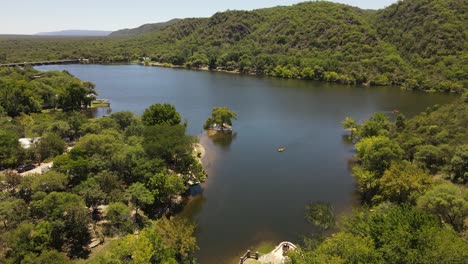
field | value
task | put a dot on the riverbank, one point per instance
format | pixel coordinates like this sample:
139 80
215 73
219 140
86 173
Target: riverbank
205 68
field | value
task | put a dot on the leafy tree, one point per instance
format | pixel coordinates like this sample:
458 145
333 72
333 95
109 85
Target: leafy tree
164 185
377 125
21 242
405 234
48 182
139 196
130 249
73 95
367 182
447 201
168 143
49 146
9 149
377 153
125 119
459 164
403 182
161 114
119 216
430 157
12 212
91 192
177 238
111 185
46 257
346 248
9 181
400 122
350 124
69 218
220 116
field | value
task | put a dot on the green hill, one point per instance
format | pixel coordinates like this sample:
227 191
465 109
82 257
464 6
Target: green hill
432 36
146 28
420 44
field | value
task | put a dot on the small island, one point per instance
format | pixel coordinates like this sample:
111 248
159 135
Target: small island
220 119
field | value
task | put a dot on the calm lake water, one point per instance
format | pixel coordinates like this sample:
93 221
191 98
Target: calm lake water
255 195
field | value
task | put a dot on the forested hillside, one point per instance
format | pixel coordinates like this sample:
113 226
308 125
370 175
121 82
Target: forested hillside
146 28
431 36
420 44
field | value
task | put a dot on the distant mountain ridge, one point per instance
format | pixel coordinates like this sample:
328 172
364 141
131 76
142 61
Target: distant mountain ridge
76 32
146 28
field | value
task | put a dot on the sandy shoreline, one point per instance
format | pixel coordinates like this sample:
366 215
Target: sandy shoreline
168 65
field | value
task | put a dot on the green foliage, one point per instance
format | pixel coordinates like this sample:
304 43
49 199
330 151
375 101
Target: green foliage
90 191
29 91
377 125
168 143
220 118
12 212
164 185
166 241
406 234
459 164
139 196
46 257
119 216
388 234
49 146
395 161
125 119
449 202
435 138
161 114
48 182
115 159
417 28
377 152
9 148
403 183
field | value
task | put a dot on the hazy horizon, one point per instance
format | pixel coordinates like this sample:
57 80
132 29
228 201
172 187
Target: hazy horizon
28 17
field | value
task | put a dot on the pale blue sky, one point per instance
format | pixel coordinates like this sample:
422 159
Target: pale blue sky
32 16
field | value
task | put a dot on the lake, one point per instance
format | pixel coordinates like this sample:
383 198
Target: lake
255 195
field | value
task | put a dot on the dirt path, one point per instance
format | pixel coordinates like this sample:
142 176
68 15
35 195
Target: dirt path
39 169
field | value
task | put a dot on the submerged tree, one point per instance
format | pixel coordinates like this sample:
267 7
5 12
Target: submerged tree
221 117
320 214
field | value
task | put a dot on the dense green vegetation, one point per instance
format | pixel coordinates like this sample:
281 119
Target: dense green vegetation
146 28
29 91
419 44
221 118
412 177
121 175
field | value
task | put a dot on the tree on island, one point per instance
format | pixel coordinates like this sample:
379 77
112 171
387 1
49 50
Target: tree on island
221 118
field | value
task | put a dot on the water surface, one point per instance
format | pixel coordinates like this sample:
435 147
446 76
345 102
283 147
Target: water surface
253 193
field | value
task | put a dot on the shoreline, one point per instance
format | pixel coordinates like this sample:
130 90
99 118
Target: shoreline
237 72
206 69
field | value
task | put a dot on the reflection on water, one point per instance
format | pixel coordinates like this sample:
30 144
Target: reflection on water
194 207
222 138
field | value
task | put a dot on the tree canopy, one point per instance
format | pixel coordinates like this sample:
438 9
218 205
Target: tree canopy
221 117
